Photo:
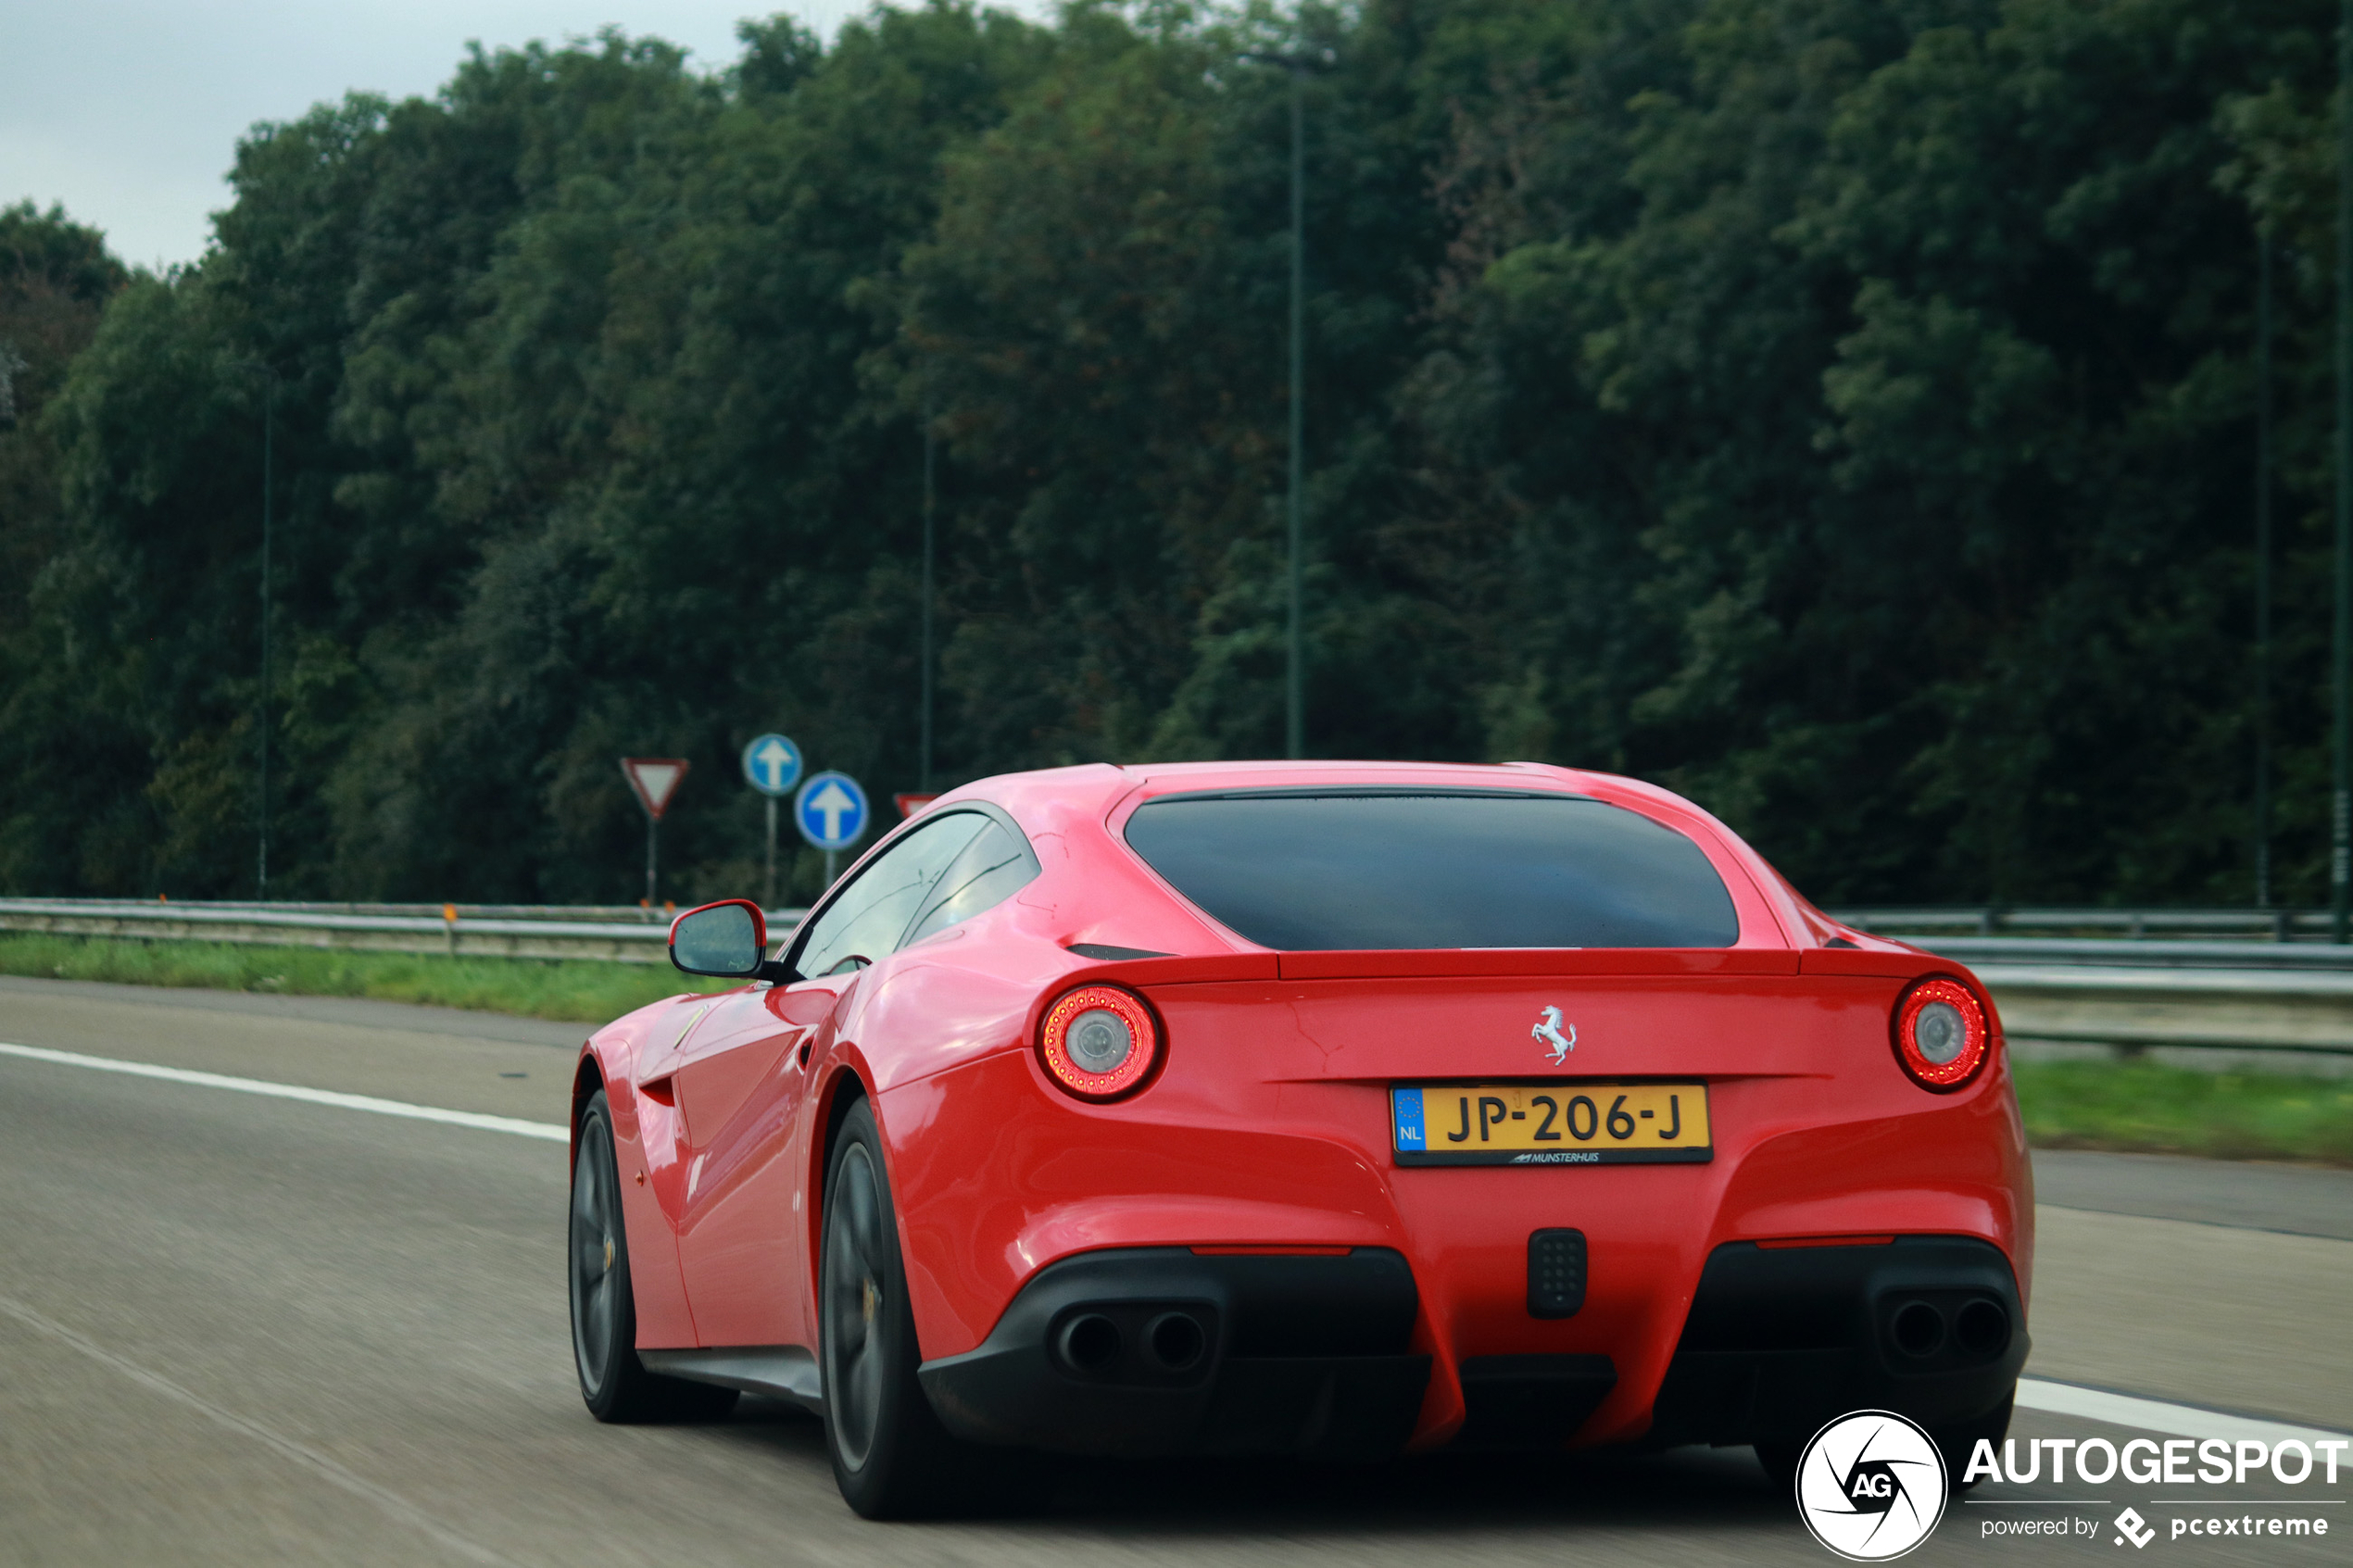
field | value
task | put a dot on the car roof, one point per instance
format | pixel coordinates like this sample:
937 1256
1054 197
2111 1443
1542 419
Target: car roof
1107 786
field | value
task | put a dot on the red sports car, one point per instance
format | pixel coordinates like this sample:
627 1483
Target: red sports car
1329 1110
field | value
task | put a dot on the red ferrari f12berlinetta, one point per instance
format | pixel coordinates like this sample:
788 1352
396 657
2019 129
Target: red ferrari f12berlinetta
1327 1110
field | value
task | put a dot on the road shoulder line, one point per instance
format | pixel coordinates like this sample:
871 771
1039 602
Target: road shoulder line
479 1121
2158 1415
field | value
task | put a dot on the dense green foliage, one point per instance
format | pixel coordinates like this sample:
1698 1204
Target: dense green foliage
1839 410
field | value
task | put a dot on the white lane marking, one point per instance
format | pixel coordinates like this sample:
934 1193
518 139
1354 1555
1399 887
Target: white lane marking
392 1503
551 1131
2157 1415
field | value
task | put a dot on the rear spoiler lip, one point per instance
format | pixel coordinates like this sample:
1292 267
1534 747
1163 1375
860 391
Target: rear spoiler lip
1430 964
1902 963
1413 963
1469 962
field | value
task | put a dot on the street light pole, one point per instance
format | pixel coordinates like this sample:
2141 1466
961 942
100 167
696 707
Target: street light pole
262 855
1295 663
1295 692
2263 564
930 492
2341 642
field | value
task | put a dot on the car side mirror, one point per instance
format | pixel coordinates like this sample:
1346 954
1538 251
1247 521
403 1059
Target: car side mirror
728 939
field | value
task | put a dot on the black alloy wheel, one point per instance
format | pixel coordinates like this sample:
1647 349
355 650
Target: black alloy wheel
613 1382
1779 1457
1957 1442
891 1456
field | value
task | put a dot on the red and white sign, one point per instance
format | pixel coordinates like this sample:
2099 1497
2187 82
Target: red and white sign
910 804
655 779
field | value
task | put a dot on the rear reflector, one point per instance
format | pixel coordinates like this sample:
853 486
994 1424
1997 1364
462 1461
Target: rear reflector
1272 1251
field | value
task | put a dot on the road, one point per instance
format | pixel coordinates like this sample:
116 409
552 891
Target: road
244 1329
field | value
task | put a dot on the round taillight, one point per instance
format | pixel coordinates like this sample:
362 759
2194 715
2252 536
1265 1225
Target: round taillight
1098 1042
1942 1034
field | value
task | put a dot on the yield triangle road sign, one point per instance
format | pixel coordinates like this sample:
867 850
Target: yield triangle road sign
655 779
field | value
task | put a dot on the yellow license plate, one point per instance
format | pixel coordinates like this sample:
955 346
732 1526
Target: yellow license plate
1570 1124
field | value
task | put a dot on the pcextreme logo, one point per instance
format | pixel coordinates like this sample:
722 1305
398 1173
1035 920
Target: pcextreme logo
1870 1485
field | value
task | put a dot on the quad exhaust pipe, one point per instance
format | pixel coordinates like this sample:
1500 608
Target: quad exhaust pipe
1175 1341
1979 1328
1092 1344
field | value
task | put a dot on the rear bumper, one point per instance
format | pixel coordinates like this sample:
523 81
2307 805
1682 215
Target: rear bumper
1163 1351
1171 1170
1781 1339
1143 1351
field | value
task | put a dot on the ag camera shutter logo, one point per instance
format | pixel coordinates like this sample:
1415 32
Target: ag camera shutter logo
1870 1485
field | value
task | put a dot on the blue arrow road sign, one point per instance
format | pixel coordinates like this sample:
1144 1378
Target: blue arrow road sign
831 810
771 764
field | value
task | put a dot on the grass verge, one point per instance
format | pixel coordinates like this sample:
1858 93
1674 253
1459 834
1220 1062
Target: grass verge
569 990
2146 1105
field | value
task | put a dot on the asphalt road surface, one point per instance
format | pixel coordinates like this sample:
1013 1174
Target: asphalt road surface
244 1328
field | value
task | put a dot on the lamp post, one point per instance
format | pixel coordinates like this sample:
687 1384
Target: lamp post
261 851
1295 664
2263 564
930 493
268 377
2341 641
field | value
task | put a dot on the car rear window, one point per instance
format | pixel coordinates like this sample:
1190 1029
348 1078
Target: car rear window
1295 870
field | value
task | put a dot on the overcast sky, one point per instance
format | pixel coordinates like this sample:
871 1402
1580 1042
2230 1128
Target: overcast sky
129 111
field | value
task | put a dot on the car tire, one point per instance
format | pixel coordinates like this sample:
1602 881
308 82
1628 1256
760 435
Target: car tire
613 1382
1780 1458
1955 1443
891 1456
1958 1441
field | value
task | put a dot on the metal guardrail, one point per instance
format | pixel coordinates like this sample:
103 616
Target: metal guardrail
2242 924
593 914
2249 996
471 931
2238 956
2247 980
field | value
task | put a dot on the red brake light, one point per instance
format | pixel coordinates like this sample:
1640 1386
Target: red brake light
1100 1042
1942 1034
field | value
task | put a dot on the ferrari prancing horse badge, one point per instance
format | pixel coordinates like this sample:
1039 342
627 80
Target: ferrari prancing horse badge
1548 1032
